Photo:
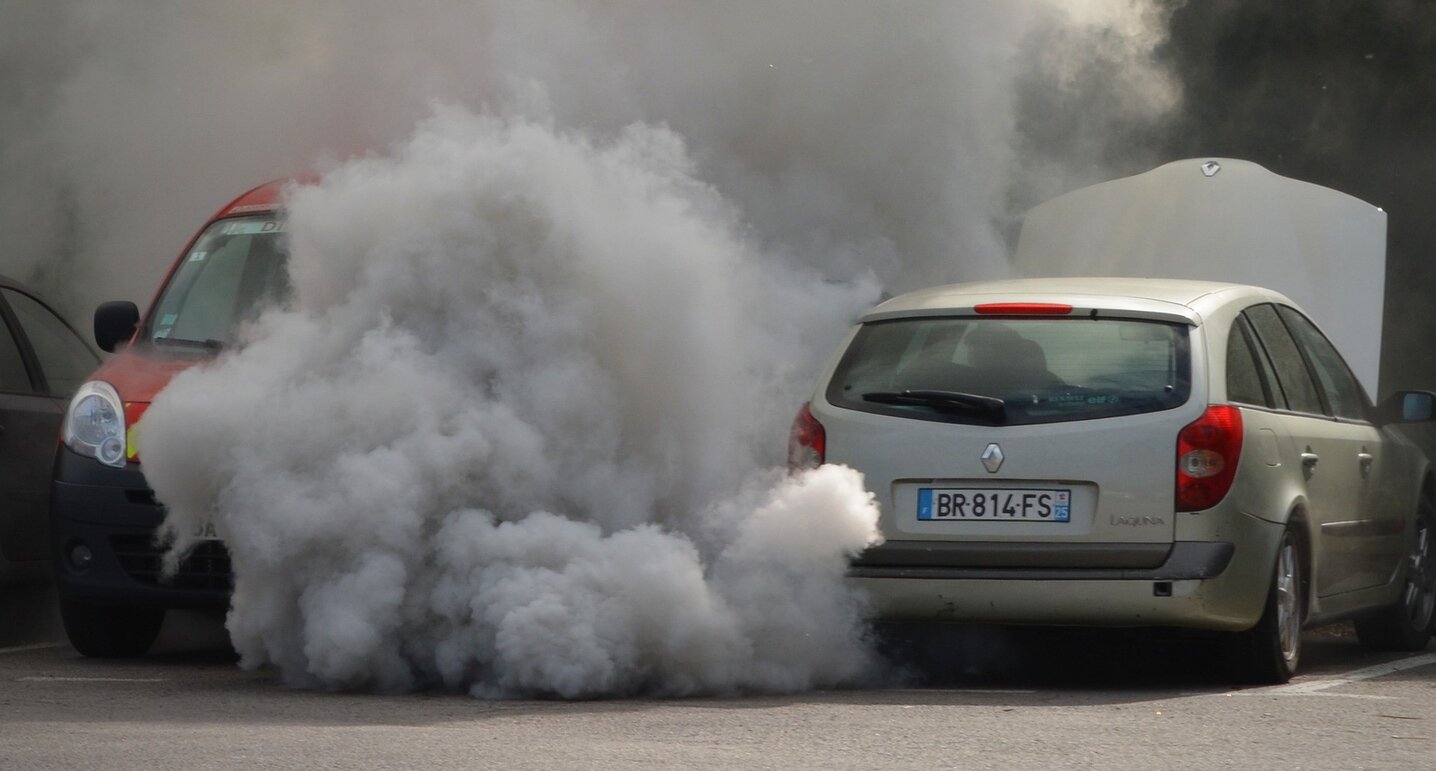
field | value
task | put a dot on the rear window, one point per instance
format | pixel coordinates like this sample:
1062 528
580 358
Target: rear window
1013 371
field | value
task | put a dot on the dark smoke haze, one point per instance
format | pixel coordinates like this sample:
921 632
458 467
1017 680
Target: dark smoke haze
1341 93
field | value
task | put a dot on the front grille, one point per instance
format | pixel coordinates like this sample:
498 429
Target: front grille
206 568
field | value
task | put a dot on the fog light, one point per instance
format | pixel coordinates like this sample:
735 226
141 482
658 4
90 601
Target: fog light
111 452
80 556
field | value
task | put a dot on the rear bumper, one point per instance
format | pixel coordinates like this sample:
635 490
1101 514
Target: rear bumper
1200 585
1045 561
113 513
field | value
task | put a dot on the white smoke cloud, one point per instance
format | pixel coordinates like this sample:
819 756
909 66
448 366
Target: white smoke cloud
507 436
511 435
854 136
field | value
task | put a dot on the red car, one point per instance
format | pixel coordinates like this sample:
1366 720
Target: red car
104 516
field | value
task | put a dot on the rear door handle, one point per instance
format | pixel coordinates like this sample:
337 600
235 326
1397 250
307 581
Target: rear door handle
1365 459
1308 462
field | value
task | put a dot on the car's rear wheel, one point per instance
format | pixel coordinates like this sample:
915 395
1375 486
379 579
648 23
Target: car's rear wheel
110 631
1406 626
1271 651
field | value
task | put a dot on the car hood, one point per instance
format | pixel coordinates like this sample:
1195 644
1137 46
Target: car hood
138 372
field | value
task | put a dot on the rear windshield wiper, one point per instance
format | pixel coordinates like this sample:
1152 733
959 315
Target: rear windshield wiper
945 401
209 344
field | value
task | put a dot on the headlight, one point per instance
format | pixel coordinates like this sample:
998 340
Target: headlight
95 424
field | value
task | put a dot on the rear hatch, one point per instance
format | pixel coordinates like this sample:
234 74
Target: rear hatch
1017 435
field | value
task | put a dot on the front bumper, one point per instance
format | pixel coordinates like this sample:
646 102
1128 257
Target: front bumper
113 513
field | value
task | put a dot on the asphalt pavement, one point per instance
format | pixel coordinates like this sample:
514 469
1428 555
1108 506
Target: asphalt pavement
1008 700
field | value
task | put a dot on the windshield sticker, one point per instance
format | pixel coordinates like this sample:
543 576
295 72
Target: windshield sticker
162 333
197 256
169 320
248 227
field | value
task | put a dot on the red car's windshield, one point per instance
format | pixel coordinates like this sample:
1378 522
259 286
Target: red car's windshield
235 269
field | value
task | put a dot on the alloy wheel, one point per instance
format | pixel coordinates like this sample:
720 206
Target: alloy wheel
1288 602
1419 598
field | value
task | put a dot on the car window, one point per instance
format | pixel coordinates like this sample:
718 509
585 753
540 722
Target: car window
65 360
1263 359
1343 391
1042 370
236 268
13 376
1291 370
1245 383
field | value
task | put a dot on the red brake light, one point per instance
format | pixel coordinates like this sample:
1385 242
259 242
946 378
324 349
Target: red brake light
807 442
1207 454
1023 309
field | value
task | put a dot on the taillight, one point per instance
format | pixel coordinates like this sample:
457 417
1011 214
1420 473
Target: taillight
1207 454
807 442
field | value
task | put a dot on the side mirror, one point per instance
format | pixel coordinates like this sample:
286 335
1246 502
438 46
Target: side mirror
1409 407
115 323
1417 406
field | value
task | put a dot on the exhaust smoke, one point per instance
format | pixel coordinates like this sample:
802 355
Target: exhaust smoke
505 437
855 137
510 435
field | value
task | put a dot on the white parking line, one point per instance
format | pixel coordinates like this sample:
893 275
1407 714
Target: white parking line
46 679
35 647
1309 687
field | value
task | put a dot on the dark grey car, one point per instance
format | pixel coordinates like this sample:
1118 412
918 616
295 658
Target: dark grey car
42 361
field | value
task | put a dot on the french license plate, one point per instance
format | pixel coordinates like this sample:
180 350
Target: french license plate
963 503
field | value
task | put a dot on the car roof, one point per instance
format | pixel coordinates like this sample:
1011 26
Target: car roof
10 283
1159 298
266 198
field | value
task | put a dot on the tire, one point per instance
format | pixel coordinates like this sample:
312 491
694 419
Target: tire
1406 626
1270 652
110 631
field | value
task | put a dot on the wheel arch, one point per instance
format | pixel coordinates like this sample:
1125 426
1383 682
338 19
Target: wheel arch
1298 522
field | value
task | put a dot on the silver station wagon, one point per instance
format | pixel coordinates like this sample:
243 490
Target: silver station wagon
1128 452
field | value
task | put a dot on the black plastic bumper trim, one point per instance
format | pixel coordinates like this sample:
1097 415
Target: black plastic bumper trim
1187 560
113 512
998 554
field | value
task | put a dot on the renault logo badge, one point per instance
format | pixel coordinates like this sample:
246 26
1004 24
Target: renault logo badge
1210 168
992 458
